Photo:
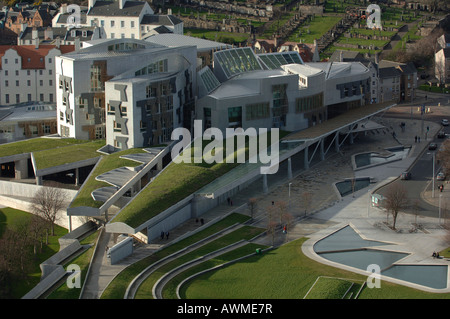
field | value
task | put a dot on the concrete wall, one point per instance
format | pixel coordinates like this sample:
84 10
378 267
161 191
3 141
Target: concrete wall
173 220
121 250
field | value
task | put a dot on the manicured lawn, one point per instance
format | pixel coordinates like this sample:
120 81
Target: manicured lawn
284 273
220 36
67 154
434 89
83 260
243 233
116 289
329 288
169 291
317 28
106 164
36 144
9 218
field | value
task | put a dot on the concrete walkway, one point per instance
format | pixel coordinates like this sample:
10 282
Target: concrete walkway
327 210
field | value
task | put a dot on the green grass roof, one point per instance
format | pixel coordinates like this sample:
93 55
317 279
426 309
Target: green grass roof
36 144
106 164
67 154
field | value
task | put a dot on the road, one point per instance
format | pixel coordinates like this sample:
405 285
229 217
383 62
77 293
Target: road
422 169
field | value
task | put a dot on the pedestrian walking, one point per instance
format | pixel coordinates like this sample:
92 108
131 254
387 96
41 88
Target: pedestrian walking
228 200
415 139
167 235
162 234
231 202
418 139
202 221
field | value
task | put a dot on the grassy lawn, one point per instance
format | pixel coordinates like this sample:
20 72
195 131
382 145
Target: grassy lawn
116 289
285 273
317 28
36 144
106 164
245 232
220 36
329 288
9 218
434 89
169 291
67 154
83 260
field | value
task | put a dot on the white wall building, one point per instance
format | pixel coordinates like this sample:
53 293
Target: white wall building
129 19
105 90
27 73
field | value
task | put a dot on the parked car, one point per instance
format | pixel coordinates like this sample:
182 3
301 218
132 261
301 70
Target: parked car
441 134
432 146
440 176
406 175
444 122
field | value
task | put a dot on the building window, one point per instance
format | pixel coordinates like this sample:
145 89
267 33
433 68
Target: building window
50 60
50 72
50 82
61 115
46 128
17 83
17 98
7 98
17 72
112 23
29 97
112 35
41 82
5 61
117 127
257 111
6 72
28 72
122 24
28 83
96 83
41 97
235 116
122 35
6 83
16 61
51 97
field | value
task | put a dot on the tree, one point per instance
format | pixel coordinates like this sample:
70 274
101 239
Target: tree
395 200
281 209
47 202
253 206
306 201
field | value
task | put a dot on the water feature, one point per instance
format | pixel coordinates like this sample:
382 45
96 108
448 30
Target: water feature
376 158
349 186
347 247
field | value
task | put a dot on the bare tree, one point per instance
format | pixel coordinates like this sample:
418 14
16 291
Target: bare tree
281 209
38 229
443 156
395 200
253 206
271 228
288 219
306 201
47 202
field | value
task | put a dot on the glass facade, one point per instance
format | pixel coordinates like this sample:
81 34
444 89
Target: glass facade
276 60
236 61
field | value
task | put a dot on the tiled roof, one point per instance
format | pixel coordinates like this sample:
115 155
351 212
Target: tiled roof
111 8
33 58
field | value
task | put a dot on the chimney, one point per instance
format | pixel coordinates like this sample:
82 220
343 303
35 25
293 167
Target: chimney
169 11
63 8
34 33
377 57
91 3
341 56
36 43
122 4
48 33
77 44
58 42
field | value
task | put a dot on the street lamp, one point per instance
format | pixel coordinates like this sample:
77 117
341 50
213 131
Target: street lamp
289 204
432 191
440 196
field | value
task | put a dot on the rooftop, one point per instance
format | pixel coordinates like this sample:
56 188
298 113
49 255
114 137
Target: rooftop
111 8
176 40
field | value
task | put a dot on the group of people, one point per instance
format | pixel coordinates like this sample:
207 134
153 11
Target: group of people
435 254
164 234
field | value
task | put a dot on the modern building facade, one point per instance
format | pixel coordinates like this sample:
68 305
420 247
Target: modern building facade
277 90
131 92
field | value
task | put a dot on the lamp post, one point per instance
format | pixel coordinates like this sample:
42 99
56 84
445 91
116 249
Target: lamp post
289 202
440 196
432 191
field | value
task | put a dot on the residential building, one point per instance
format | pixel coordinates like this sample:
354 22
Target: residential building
27 73
131 92
129 19
442 65
40 17
402 81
